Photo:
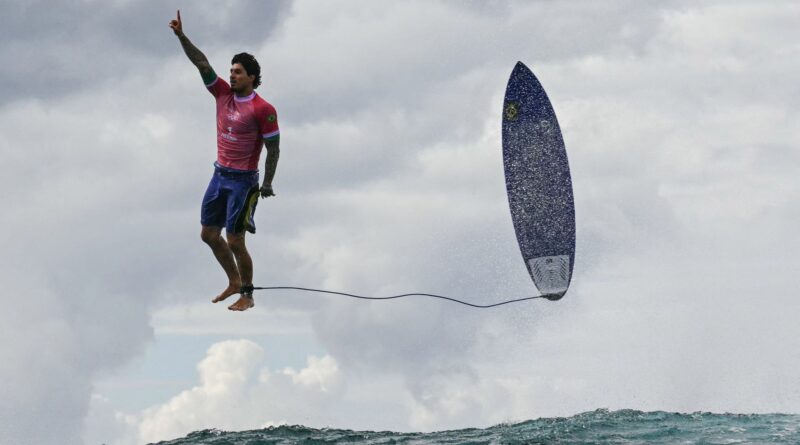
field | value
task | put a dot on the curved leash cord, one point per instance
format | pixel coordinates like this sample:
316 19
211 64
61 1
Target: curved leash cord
321 291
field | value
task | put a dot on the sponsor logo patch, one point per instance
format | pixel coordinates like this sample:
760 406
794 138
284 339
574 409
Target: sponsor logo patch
511 112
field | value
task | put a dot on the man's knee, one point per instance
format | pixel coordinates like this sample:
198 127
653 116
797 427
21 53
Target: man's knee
236 242
210 235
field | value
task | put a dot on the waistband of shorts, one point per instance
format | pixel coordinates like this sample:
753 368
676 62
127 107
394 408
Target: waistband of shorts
233 172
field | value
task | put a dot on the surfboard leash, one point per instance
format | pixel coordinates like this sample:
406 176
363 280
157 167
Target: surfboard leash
250 289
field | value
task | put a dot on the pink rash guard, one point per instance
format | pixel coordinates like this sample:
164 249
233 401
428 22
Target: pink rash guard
242 124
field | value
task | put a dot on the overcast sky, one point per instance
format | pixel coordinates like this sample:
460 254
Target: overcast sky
682 125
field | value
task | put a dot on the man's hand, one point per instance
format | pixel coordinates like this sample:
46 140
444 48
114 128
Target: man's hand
177 25
266 191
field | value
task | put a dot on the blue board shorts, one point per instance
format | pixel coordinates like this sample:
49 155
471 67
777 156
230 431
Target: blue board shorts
230 200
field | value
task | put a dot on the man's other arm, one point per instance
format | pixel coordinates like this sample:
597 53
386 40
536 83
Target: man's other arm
273 153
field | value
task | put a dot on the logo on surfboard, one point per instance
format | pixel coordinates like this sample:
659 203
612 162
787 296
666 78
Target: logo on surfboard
511 112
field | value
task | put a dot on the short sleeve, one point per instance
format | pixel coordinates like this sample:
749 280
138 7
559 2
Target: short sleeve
268 122
218 87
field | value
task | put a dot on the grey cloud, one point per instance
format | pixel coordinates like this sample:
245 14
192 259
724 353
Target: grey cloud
439 86
55 51
443 44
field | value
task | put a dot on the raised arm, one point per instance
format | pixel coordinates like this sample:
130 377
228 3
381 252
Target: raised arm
195 55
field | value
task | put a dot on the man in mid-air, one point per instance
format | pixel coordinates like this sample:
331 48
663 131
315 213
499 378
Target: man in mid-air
245 122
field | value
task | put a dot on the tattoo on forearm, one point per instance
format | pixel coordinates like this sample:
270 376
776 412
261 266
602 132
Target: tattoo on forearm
271 165
195 55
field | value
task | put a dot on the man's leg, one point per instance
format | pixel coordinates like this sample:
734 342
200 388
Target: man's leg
213 237
245 263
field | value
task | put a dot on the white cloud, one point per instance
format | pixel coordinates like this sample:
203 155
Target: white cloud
321 373
224 374
234 392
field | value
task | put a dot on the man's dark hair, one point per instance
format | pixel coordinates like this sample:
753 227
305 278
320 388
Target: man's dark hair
251 66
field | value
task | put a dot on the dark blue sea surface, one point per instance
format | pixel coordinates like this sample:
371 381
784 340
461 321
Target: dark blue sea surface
596 427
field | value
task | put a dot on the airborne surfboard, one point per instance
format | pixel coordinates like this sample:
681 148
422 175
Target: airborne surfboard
538 183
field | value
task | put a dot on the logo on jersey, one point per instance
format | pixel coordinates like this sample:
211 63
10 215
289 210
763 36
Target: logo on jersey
234 116
272 118
229 135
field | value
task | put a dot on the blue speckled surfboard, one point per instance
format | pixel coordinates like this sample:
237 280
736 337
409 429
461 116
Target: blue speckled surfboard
538 183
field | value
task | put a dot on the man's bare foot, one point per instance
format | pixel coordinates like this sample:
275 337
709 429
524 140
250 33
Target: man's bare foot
244 303
232 289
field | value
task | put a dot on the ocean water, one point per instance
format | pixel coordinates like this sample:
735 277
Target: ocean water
595 427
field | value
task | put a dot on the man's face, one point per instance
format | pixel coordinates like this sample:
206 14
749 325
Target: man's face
240 81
